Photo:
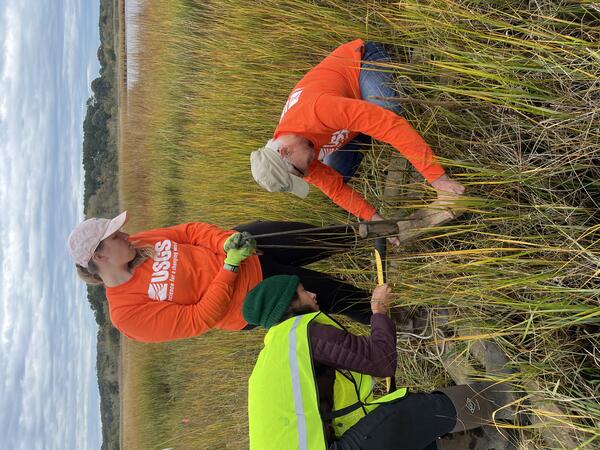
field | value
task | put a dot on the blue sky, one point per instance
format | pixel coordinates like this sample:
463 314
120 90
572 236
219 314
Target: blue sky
48 389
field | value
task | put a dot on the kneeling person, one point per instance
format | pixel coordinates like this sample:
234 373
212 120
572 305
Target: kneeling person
336 108
311 387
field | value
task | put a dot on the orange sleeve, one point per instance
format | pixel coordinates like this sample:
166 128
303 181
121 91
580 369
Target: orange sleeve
166 321
361 116
331 183
194 233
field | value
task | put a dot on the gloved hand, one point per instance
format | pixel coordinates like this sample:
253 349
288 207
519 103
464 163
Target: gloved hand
232 241
239 240
248 240
238 247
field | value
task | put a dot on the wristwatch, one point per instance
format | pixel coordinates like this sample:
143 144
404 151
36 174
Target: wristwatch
230 267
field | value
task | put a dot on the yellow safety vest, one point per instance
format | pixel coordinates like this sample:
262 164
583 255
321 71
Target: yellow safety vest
283 399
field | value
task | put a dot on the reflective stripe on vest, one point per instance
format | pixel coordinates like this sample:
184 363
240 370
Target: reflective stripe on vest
297 388
283 403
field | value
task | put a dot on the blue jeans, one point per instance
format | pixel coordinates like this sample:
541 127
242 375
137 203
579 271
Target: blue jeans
373 82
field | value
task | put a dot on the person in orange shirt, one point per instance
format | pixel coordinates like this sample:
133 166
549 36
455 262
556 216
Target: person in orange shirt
181 281
333 110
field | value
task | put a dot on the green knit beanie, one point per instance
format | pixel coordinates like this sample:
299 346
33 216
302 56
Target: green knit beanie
269 300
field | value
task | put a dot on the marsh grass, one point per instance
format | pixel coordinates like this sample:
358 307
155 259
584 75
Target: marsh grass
507 95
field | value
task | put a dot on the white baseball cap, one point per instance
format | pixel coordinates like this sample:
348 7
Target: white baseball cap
86 236
272 173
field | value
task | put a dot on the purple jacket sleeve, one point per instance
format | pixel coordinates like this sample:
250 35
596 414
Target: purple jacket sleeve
374 355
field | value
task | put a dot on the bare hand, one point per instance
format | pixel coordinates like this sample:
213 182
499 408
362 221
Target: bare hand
392 240
382 297
445 185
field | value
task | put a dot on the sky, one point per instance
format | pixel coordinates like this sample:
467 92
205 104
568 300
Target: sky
48 389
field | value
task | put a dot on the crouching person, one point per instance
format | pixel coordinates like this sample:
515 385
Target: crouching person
312 386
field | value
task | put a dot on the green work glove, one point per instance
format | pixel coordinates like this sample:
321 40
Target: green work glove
248 240
238 248
239 240
232 241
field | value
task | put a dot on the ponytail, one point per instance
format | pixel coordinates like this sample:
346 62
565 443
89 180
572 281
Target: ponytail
89 275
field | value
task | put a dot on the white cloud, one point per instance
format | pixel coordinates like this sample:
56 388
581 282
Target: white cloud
48 390
11 24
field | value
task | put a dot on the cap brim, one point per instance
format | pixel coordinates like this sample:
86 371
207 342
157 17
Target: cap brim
299 187
115 224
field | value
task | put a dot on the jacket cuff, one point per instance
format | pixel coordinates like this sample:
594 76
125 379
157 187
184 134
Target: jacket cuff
380 320
433 172
367 213
227 276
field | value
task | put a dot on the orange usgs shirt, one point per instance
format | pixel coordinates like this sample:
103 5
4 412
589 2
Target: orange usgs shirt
326 108
183 291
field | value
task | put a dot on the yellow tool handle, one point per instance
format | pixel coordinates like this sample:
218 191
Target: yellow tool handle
379 266
381 280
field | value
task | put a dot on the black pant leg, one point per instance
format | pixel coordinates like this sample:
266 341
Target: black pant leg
411 423
333 295
300 249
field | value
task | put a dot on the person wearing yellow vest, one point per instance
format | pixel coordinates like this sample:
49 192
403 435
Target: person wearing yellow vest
312 385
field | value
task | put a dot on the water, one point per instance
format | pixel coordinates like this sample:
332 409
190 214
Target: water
132 7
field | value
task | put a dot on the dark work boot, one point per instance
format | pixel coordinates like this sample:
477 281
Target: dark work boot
474 404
